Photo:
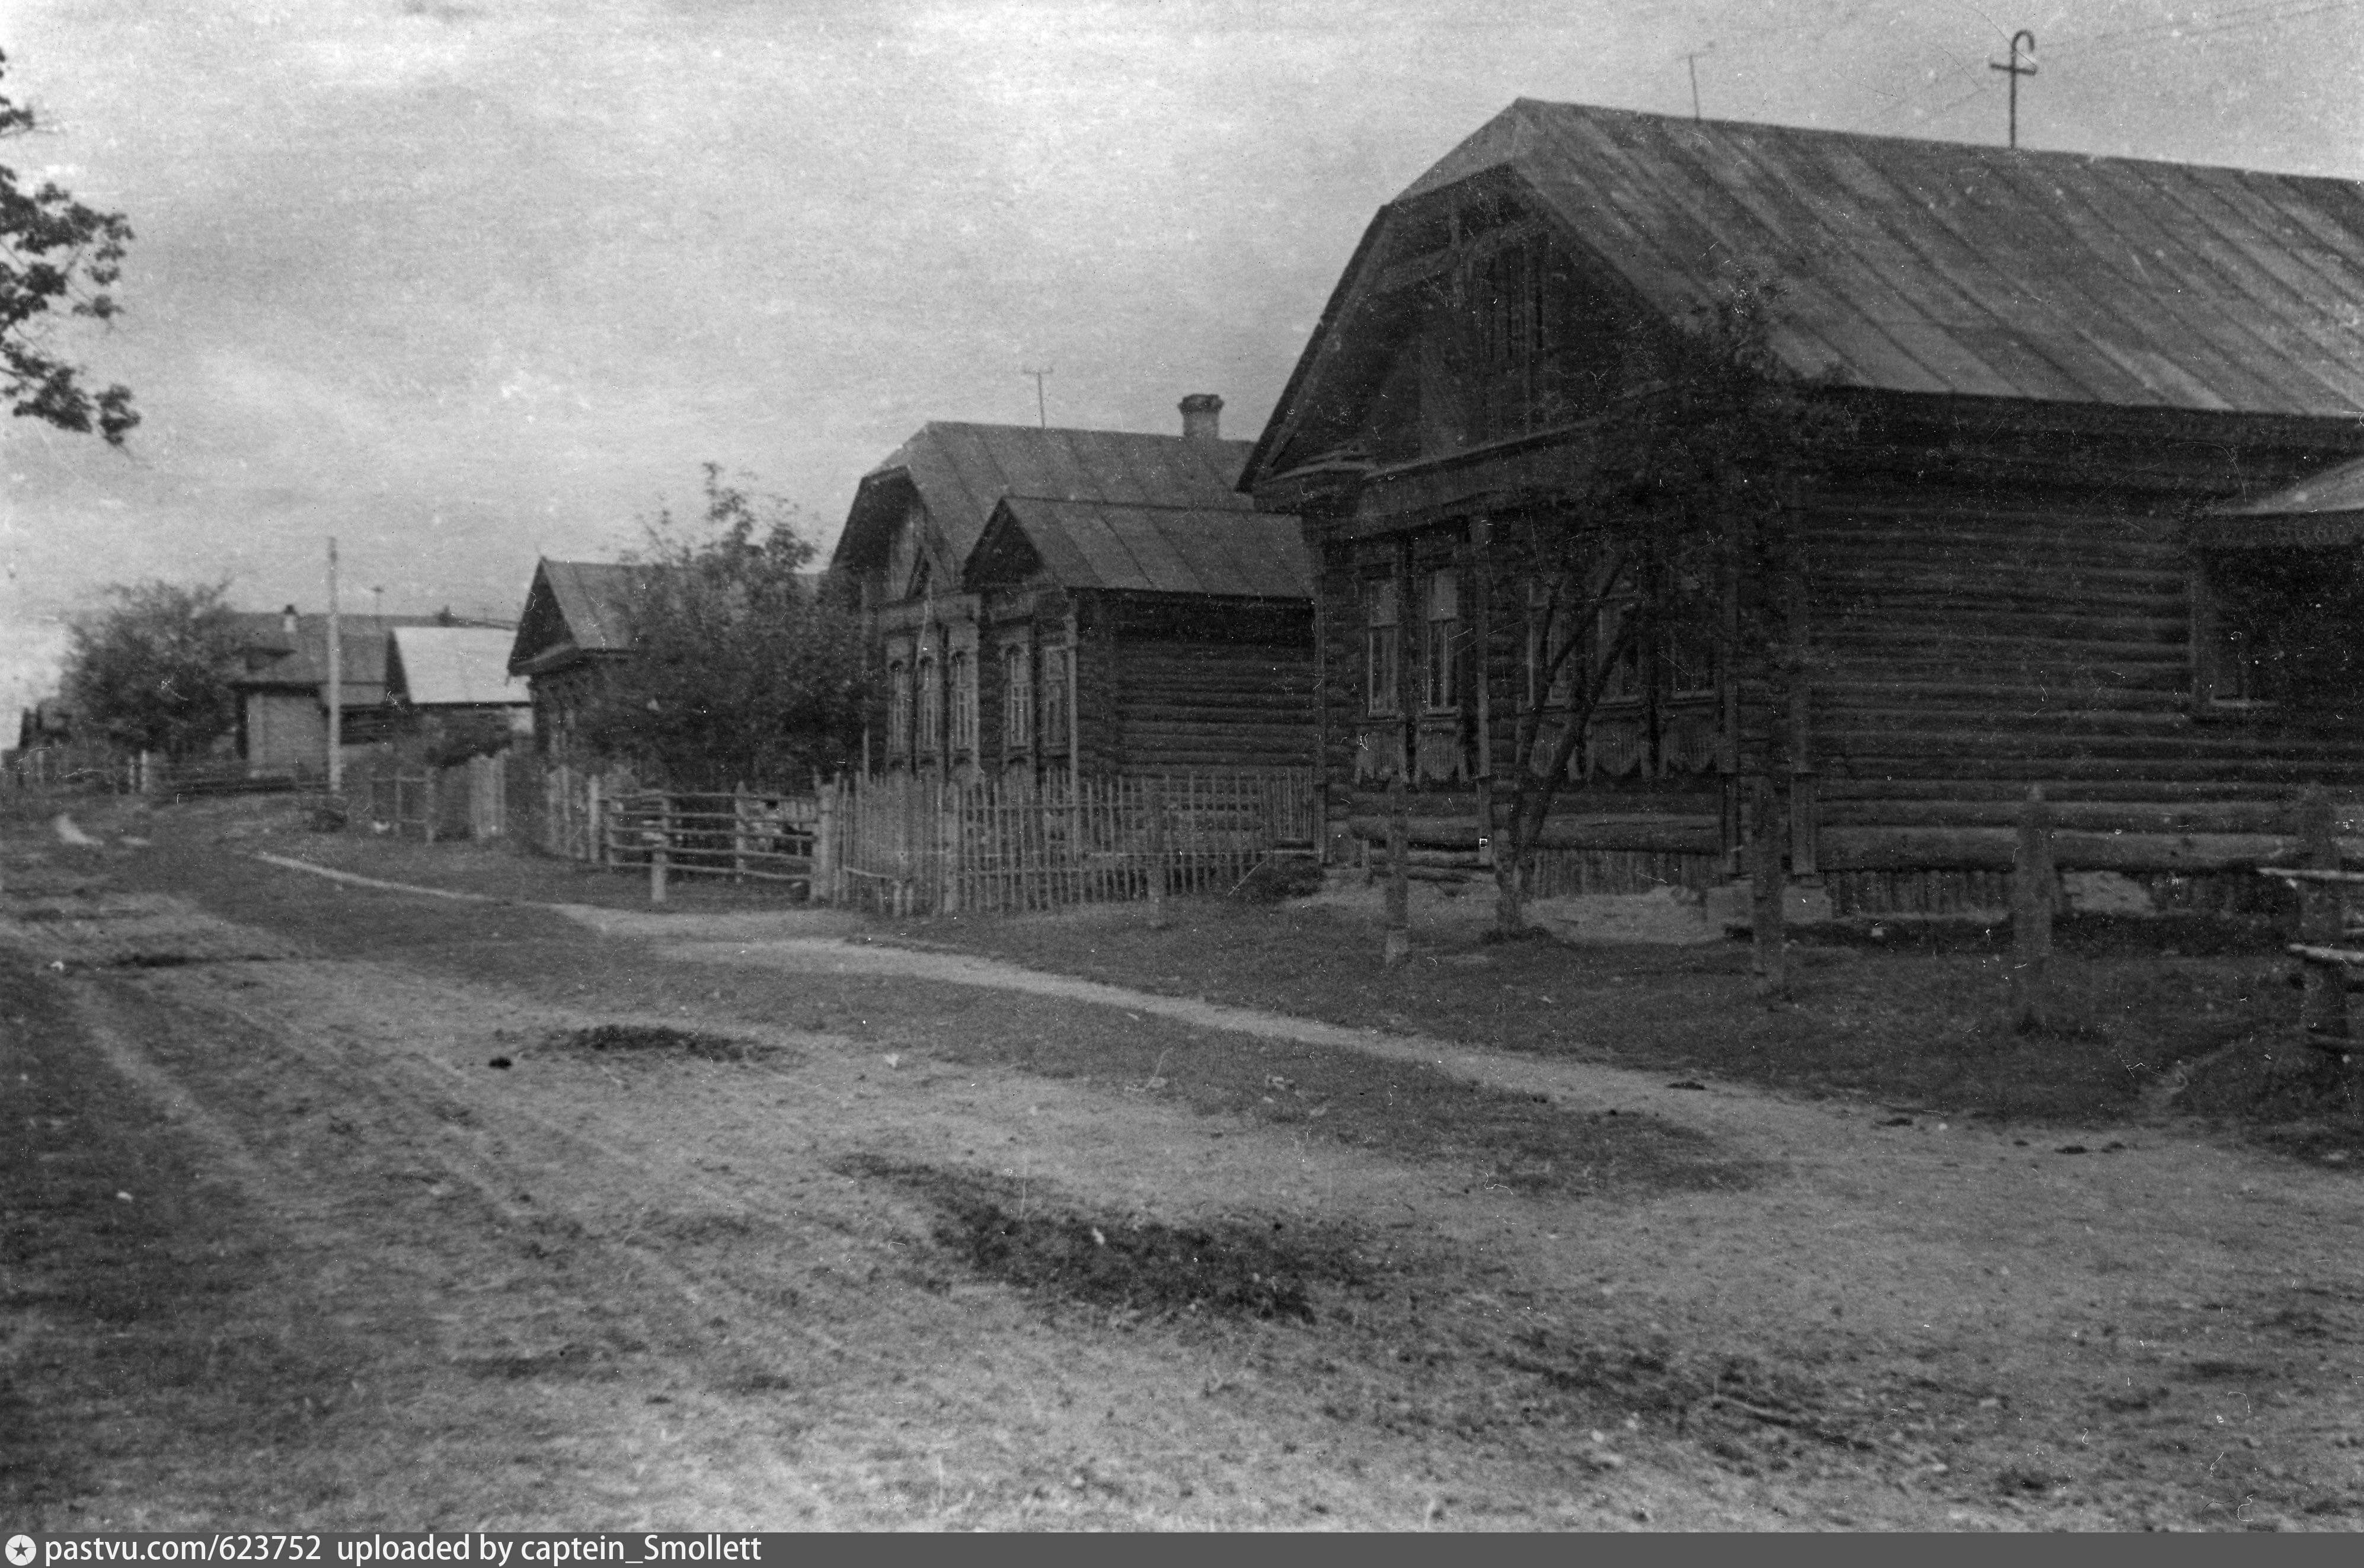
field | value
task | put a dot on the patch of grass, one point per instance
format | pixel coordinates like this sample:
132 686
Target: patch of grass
1229 1268
2081 935
1924 1025
2302 1101
703 1044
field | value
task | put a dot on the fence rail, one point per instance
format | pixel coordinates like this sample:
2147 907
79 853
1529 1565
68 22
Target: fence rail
742 835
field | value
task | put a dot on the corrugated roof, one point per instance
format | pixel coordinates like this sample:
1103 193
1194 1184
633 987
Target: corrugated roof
1164 549
1936 267
960 472
443 666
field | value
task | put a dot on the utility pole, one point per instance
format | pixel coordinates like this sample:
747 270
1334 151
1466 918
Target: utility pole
1041 407
2015 71
336 682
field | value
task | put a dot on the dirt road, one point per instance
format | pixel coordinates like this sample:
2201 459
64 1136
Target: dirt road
756 1228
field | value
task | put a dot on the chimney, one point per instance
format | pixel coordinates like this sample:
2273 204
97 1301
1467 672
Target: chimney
288 621
1203 417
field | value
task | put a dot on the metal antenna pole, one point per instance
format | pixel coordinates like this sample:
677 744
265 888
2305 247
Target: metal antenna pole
2015 71
1042 408
1691 59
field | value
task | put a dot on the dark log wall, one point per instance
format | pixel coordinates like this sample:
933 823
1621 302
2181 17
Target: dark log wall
1996 597
1207 684
1965 649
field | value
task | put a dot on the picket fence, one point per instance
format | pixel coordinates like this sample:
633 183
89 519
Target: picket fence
907 846
465 800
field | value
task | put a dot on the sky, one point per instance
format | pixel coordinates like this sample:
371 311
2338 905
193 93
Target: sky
464 283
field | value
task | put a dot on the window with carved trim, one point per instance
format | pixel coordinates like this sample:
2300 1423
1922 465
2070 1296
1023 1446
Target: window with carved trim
1382 646
1616 656
1017 699
1691 659
898 707
1551 622
1440 662
1056 712
930 738
961 668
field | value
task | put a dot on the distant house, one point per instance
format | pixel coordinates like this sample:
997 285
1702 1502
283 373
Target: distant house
452 684
575 623
281 689
1058 602
2063 374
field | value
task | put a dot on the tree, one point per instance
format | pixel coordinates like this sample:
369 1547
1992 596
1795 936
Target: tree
152 671
740 672
54 251
1671 554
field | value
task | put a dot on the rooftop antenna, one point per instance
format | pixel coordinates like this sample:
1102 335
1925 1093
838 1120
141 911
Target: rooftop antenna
1691 59
2015 70
1042 408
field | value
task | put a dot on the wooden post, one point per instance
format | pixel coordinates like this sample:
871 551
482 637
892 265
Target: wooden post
1769 957
2323 1005
594 822
657 866
1157 792
1485 819
1398 945
2030 913
739 831
434 802
824 886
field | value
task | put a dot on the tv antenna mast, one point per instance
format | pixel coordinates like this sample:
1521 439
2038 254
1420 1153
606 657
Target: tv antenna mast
1041 407
1692 60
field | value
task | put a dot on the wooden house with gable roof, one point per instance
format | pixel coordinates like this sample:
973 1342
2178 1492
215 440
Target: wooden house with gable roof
1060 602
2057 370
575 624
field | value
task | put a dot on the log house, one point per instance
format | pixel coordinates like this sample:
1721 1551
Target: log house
1058 604
2065 374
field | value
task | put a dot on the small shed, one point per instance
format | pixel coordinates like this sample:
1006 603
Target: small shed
452 684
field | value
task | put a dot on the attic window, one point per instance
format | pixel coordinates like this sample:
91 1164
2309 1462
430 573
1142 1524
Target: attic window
920 581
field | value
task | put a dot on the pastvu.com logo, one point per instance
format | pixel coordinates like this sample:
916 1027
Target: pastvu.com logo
20 1550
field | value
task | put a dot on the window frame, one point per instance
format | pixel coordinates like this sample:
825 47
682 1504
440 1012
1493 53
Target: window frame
1382 647
1441 641
1017 698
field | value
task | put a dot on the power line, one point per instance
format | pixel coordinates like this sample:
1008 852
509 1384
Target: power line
2239 19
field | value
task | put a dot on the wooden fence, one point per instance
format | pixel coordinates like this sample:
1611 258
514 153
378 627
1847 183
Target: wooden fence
467 800
907 845
742 835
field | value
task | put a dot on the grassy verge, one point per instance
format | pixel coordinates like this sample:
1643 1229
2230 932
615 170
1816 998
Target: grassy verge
1909 1014
1916 1024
